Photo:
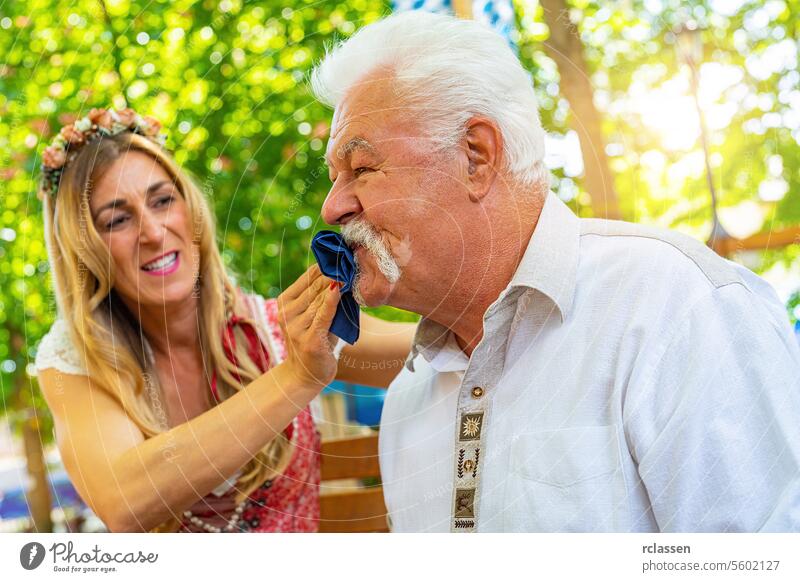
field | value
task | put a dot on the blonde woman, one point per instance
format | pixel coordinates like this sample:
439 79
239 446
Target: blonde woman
180 402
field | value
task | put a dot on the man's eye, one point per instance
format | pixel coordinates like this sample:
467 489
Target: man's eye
358 171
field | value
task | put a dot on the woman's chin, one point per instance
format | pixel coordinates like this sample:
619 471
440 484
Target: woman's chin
162 293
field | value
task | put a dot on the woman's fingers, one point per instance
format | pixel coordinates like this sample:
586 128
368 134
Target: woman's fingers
326 311
299 305
310 357
314 289
302 283
297 299
307 317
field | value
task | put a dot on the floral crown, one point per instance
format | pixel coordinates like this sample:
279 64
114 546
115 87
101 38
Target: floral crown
98 123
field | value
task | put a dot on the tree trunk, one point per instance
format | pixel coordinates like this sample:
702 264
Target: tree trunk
565 47
38 496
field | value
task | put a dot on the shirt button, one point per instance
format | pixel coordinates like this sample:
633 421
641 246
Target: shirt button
477 392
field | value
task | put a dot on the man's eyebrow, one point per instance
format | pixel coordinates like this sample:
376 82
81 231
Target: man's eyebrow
356 143
353 144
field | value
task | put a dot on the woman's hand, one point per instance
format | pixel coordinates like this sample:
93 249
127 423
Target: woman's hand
305 312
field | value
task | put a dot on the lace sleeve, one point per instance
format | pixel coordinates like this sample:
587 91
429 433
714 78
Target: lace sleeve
56 350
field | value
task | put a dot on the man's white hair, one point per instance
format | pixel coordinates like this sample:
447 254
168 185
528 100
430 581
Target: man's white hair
446 70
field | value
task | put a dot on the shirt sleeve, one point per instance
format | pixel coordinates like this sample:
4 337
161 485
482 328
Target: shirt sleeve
712 417
57 351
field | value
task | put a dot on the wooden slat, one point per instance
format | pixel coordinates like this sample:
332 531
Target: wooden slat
352 509
762 240
360 510
463 9
355 457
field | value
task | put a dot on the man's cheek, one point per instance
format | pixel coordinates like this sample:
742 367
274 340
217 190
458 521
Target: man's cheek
401 251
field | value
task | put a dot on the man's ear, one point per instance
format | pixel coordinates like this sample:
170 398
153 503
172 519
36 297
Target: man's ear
484 148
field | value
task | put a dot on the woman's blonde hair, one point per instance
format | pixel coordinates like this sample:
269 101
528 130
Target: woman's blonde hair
104 330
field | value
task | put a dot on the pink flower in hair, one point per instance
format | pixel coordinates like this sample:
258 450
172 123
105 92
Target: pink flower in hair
72 135
127 117
54 157
101 118
152 126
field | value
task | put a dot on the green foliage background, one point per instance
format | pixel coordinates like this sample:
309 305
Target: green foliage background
227 79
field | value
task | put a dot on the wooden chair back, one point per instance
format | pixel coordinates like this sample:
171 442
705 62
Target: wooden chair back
346 506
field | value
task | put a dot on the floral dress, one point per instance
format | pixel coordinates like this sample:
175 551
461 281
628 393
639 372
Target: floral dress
286 503
289 502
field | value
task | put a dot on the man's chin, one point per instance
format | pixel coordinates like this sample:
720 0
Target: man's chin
369 296
368 301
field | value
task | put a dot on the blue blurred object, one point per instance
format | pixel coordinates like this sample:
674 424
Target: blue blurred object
797 329
364 403
495 14
14 505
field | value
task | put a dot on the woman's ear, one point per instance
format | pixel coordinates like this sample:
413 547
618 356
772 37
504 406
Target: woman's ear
484 148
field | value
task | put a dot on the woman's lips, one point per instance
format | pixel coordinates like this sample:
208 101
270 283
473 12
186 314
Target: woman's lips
166 269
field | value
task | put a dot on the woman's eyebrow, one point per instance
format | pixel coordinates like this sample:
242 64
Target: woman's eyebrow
156 186
113 204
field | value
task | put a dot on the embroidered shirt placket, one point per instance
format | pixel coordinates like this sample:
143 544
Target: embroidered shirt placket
474 408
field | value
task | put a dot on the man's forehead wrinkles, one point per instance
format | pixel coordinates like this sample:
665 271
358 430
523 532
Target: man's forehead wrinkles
347 128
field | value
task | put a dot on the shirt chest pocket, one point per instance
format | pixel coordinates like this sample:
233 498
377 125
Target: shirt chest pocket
566 480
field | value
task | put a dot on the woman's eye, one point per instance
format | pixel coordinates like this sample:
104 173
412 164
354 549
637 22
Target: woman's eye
164 200
116 222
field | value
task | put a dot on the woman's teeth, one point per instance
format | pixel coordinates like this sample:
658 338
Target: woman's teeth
161 263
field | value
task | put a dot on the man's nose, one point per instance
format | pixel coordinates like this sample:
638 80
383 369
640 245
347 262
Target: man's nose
341 205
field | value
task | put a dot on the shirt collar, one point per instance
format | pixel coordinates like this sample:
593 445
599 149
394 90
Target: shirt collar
550 262
443 354
549 265
429 340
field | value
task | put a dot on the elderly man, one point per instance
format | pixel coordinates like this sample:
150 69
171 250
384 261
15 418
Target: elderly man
568 374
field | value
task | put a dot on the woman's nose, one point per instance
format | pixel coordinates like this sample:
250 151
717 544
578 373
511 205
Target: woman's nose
151 228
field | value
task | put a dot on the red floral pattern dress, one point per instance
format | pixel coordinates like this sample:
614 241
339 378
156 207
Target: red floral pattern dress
289 502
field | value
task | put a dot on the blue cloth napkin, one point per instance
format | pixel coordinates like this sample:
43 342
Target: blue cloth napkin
335 260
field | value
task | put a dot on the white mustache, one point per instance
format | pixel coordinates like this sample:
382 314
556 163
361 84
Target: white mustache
361 232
